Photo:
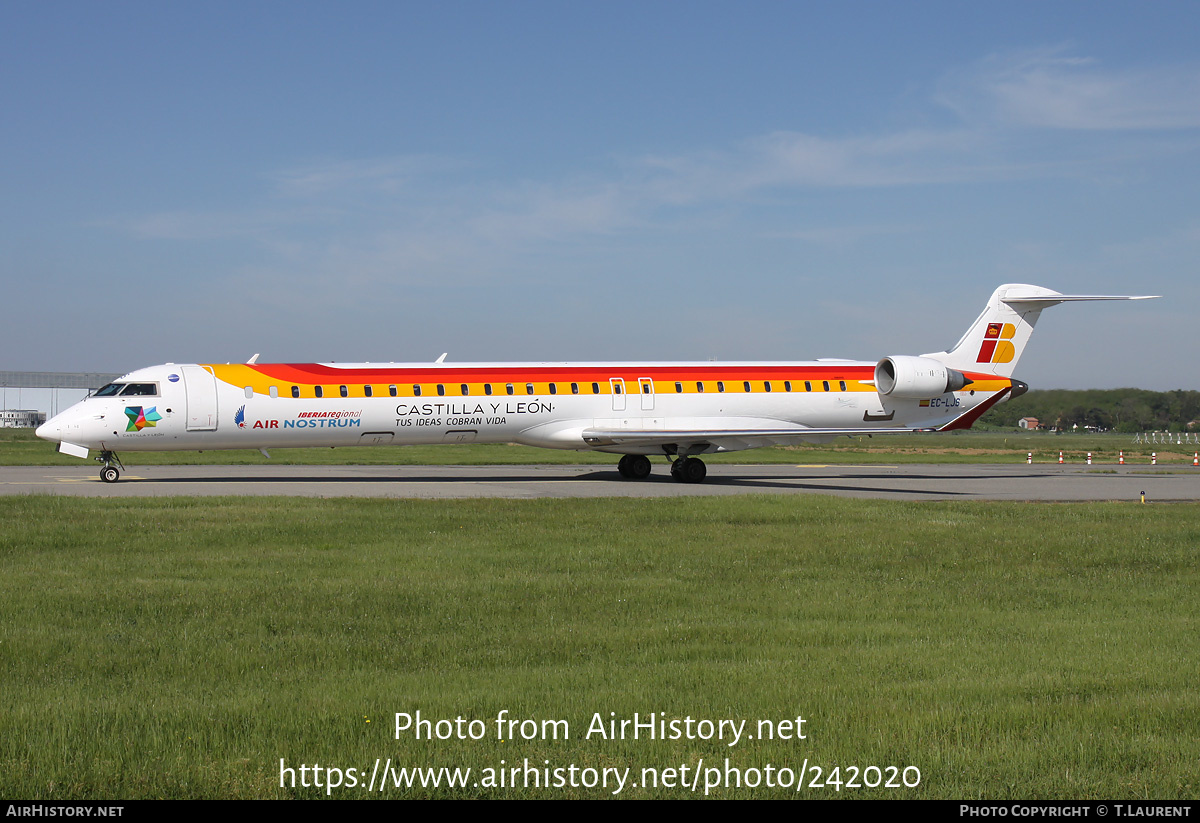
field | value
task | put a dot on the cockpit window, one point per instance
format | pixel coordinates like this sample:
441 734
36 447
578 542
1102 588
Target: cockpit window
110 390
140 390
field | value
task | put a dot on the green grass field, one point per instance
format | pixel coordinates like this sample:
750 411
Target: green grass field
19 447
182 647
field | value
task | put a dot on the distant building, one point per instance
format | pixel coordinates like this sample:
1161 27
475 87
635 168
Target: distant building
21 419
1029 423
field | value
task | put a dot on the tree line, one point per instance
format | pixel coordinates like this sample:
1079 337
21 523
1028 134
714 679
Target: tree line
1123 410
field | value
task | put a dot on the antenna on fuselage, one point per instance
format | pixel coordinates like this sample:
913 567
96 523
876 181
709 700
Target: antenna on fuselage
252 360
442 359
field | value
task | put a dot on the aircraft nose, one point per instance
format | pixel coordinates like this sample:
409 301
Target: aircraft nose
50 430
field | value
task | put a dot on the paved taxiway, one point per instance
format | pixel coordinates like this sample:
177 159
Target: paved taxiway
911 482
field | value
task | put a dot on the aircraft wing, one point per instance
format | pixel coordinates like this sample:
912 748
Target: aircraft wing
756 436
726 439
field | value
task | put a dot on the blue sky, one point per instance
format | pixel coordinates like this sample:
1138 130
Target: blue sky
596 181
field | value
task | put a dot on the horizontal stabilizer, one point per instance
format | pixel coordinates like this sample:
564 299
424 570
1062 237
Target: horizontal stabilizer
1043 301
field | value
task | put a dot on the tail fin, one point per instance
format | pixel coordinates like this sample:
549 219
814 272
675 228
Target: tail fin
997 338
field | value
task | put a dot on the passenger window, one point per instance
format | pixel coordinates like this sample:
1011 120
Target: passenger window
574 388
554 388
807 385
249 392
318 391
392 391
367 391
295 391
825 385
441 390
595 388
508 387
529 388
416 390
464 390
787 385
678 387
487 389
842 383
746 385
274 392
720 385
767 385
342 390
699 387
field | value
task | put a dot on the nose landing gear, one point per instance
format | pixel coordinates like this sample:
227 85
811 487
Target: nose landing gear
108 472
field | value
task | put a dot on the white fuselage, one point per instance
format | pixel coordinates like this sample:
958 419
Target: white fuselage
553 405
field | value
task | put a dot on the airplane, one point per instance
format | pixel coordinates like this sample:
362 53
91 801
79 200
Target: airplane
679 410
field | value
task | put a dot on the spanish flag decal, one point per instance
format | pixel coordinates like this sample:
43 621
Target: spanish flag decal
997 344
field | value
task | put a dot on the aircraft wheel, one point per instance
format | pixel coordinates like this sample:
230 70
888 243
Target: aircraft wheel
689 470
639 466
634 466
109 474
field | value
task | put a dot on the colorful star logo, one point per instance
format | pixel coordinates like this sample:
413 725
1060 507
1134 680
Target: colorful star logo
139 419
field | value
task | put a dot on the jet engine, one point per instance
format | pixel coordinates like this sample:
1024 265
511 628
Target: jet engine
920 378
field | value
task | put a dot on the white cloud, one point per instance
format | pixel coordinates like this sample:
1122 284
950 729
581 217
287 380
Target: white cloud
795 160
1049 89
847 235
381 174
548 212
194 226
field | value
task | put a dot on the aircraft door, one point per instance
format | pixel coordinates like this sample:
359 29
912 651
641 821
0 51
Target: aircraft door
646 389
200 386
617 385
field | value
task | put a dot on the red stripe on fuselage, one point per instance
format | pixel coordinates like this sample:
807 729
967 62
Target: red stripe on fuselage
315 373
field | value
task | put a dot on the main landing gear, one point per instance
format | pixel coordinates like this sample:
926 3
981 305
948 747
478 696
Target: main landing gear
683 469
108 472
634 466
689 470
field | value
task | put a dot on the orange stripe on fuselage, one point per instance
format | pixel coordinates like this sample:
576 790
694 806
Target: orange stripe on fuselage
307 376
261 377
317 374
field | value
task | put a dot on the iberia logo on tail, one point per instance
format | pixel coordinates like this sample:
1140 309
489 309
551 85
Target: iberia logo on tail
997 344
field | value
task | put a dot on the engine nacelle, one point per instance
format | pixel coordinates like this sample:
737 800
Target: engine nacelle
919 378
